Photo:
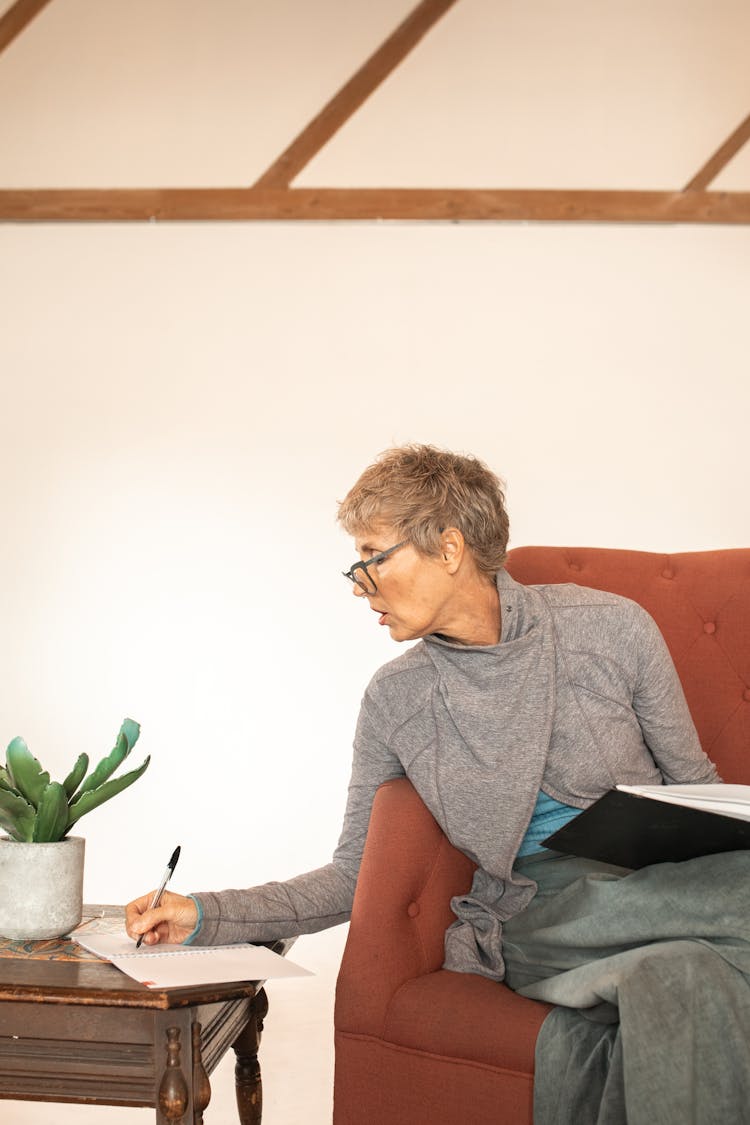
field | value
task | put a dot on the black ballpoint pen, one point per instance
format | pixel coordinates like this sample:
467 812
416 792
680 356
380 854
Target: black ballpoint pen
160 890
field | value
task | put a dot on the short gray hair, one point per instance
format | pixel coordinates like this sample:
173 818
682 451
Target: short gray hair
420 490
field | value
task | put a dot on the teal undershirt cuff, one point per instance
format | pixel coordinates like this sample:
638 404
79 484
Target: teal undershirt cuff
191 937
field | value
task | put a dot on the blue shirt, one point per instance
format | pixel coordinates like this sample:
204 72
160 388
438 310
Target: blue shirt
547 817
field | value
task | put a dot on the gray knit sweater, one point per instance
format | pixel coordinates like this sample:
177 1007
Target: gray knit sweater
579 695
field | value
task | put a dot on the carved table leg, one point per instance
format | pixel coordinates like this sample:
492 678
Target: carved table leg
201 1085
173 1090
247 1070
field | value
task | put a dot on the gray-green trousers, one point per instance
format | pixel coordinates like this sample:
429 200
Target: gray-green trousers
651 970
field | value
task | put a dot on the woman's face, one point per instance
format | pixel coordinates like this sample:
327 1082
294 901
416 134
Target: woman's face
413 592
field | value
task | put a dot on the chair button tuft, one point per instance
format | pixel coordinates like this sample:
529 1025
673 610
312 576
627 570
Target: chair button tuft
709 627
667 573
746 695
412 909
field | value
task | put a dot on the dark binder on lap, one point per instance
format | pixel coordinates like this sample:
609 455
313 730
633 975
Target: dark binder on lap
632 831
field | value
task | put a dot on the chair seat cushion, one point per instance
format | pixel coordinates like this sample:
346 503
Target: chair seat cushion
465 1016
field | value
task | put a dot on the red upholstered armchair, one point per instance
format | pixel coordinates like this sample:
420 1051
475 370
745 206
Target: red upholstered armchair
416 1045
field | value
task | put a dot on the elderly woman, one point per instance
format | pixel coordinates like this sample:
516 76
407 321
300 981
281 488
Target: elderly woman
517 709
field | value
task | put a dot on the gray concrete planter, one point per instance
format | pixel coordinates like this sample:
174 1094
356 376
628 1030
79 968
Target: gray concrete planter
41 888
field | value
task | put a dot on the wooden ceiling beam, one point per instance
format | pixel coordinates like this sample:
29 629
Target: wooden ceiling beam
17 18
271 198
332 204
721 157
351 96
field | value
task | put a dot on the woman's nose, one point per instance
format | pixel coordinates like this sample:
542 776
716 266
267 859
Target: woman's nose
358 591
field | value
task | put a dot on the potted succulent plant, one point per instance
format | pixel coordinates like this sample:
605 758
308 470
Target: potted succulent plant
41 866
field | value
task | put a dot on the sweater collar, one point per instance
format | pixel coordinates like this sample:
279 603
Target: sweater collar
521 608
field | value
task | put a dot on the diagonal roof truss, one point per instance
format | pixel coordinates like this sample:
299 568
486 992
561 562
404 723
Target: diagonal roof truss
273 197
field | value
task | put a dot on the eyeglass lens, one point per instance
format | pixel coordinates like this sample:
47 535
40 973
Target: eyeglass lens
362 577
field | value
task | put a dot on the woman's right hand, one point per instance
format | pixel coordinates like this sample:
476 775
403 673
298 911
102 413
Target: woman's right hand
172 920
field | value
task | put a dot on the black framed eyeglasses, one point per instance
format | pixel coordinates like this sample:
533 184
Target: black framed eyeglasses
360 575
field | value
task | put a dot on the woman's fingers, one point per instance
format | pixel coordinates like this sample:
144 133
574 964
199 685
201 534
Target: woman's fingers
172 920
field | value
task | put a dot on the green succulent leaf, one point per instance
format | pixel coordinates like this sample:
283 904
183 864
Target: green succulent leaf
25 772
76 775
126 740
5 782
92 798
16 815
51 822
9 826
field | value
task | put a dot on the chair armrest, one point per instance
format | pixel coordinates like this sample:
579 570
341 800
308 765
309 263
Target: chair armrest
401 908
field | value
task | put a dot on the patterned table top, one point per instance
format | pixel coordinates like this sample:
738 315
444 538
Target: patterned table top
97 918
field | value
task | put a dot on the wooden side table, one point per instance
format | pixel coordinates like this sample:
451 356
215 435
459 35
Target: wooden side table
79 1030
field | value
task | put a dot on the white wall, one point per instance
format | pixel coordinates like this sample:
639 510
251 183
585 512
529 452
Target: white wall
181 407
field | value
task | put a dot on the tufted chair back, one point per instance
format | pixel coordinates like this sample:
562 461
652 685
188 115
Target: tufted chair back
701 602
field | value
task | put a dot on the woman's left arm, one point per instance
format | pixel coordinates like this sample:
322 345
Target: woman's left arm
662 710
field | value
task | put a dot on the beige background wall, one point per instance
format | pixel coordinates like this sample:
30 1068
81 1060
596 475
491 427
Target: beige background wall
183 405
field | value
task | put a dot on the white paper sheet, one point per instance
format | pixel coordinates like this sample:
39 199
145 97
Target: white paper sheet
729 800
178 966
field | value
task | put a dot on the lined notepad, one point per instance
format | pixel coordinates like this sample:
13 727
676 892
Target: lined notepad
180 966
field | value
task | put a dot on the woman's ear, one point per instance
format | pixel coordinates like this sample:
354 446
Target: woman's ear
452 547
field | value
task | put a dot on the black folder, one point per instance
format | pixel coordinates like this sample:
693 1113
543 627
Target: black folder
632 831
